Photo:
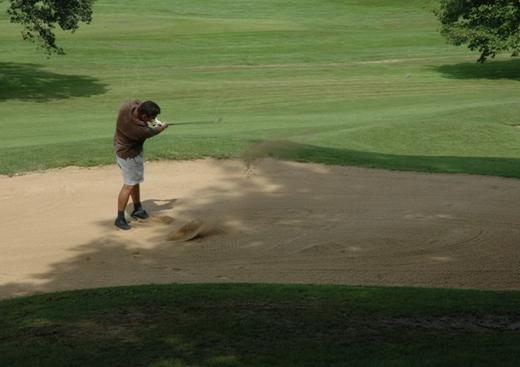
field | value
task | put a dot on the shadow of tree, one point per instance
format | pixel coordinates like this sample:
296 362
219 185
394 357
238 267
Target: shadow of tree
493 70
254 325
287 150
30 82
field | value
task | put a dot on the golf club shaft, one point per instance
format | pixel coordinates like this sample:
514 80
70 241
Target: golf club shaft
192 122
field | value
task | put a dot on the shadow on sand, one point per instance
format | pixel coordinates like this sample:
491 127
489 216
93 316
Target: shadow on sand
294 208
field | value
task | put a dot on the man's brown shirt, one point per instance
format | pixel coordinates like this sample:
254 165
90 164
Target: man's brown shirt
130 132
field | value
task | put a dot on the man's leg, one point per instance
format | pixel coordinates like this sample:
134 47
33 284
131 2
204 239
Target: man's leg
136 194
122 201
139 211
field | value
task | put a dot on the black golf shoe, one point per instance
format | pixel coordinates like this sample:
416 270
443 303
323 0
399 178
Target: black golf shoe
122 223
139 213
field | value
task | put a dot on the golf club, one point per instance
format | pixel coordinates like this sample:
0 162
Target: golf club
194 122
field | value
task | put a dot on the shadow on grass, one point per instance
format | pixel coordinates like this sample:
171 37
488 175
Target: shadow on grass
20 159
286 150
30 82
493 70
254 325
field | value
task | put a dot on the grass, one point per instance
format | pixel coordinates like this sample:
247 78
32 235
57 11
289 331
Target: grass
371 80
357 82
261 325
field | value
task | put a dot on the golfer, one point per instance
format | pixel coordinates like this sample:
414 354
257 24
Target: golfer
131 132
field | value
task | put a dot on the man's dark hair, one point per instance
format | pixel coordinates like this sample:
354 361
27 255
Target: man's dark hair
149 108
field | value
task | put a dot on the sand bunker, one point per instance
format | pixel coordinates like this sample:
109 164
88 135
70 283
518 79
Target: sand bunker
272 221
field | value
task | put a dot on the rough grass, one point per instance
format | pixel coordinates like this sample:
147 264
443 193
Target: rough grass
261 325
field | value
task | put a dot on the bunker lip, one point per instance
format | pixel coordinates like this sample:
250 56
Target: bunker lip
261 221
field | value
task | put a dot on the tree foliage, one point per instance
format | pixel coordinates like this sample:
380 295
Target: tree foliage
487 26
40 18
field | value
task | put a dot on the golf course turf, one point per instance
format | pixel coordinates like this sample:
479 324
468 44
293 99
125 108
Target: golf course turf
370 83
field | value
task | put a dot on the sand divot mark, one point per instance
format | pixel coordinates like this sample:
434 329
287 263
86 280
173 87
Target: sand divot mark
196 228
153 220
162 219
186 232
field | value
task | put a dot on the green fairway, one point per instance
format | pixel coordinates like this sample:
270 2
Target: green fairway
261 325
363 79
371 81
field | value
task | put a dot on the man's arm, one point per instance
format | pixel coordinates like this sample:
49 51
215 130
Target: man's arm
142 132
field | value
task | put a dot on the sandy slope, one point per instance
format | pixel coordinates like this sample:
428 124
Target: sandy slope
274 222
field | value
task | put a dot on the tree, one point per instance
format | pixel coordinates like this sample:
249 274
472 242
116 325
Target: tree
487 26
39 19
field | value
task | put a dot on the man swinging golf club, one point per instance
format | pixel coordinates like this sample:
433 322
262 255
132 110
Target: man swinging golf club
132 129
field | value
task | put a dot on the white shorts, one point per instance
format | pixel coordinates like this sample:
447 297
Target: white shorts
132 169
